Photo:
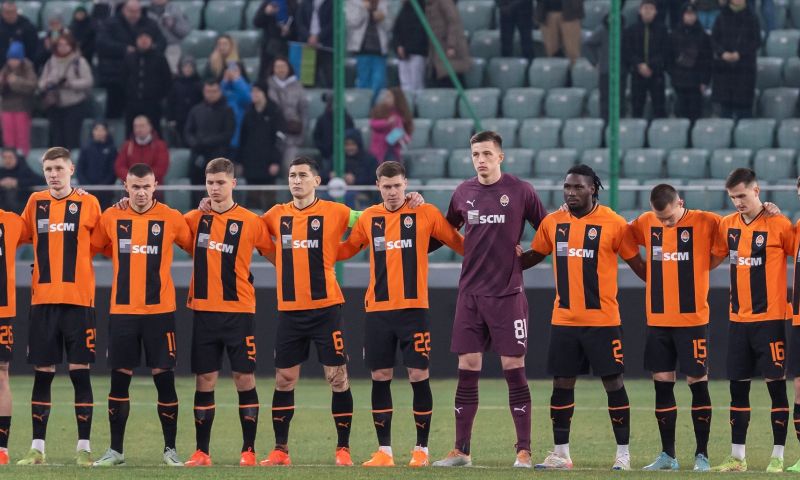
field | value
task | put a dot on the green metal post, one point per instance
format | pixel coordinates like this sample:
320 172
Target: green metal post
614 73
339 45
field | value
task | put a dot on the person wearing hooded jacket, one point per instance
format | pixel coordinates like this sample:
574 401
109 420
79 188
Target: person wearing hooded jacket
735 40
259 152
143 146
647 46
96 167
359 168
690 65
147 82
186 92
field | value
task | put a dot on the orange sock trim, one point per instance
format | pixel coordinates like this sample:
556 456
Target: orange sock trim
46 404
277 409
254 405
429 412
779 410
701 408
670 409
387 410
175 404
206 407
562 407
337 415
119 399
84 404
740 409
626 407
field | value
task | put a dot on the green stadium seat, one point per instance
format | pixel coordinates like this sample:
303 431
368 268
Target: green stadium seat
250 13
541 186
193 9
34 159
687 163
179 159
582 133
98 102
754 133
643 163
597 158
644 195
778 103
459 165
199 44
593 104
485 44
61 8
791 72
724 160
630 12
224 15
308 133
554 163
180 200
626 197
40 133
631 133
440 197
422 133
783 197
358 102
441 255
712 133
505 73
781 13
436 103
31 11
518 161
523 103
583 73
768 72
251 66
713 198
362 124
316 106
538 133
668 133
476 14
548 73
426 163
248 42
451 133
775 164
564 103
594 13
474 76
506 127
484 101
783 43
789 133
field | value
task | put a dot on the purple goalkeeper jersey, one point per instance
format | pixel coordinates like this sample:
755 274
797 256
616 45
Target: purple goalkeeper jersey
494 218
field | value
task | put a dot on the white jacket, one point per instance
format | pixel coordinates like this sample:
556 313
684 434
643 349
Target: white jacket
357 18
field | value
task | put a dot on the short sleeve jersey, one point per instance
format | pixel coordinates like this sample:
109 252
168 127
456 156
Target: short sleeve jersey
796 283
61 230
757 254
306 244
222 249
493 217
12 233
585 264
678 265
141 253
398 244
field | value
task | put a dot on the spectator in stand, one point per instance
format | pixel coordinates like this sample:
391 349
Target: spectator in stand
67 77
275 19
115 40
143 146
225 51
147 82
767 14
14 26
83 28
18 91
174 25
55 28
447 27
690 66
315 27
359 169
596 47
16 180
97 158
648 48
368 39
516 15
735 40
290 96
392 125
236 89
323 134
187 91
707 12
560 23
209 130
411 46
259 152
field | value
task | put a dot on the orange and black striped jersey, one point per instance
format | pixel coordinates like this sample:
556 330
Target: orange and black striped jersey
222 248
309 242
796 283
757 252
141 252
585 264
12 233
678 265
398 242
61 231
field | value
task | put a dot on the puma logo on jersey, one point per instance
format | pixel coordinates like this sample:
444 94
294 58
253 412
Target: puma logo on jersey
198 421
378 224
733 236
340 353
111 411
425 354
471 203
287 225
563 231
521 409
524 343
662 420
44 206
124 227
657 235
171 416
172 354
206 222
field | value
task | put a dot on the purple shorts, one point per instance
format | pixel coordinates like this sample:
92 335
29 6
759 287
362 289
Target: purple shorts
499 324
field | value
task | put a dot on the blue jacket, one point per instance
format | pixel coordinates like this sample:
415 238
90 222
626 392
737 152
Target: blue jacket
96 165
237 93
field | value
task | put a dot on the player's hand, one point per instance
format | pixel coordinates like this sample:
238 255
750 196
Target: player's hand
415 199
204 205
123 203
563 208
771 209
81 192
519 250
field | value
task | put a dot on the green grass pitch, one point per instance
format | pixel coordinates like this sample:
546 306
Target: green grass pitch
312 437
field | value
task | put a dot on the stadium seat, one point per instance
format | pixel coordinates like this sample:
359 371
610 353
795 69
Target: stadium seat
597 158
712 198
251 66
778 103
768 72
224 15
554 163
631 133
583 73
523 103
643 163
441 255
789 133
31 11
548 73
630 13
358 101
61 8
180 200
648 184
505 73
593 104
451 133
582 133
440 197
484 102
34 159
775 164
476 14
362 125
712 133
459 164
594 13
316 106
564 103
178 164
194 12
541 185
783 43
791 73
687 163
668 133
436 103
785 196
506 127
754 133
199 44
250 13
626 197
40 133
539 133
422 133
485 44
474 77
724 160
518 161
248 42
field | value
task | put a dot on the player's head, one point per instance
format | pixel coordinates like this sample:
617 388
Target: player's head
57 167
581 188
392 184
487 153
742 187
666 204
220 180
303 177
140 183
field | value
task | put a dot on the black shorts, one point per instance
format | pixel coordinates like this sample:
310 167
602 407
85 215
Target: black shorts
56 327
298 328
128 334
756 348
384 331
794 352
686 346
214 333
573 350
6 339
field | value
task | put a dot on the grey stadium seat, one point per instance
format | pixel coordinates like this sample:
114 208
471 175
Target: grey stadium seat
358 101
540 133
668 133
436 103
713 199
778 103
626 199
688 163
506 127
784 197
248 42
564 103
476 14
199 44
582 133
583 73
451 133
754 133
554 163
422 133
789 133
774 164
518 161
631 133
783 43
505 73
712 133
768 72
426 162
791 73
548 73
484 102
643 163
474 76
485 44
598 159
523 103
459 165
224 15
725 160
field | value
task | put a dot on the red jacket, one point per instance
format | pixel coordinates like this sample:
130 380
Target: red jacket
155 154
